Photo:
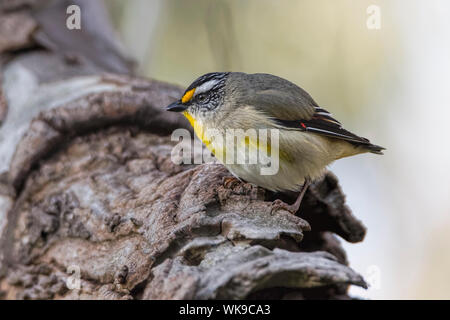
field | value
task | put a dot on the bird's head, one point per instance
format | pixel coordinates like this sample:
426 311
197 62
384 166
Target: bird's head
204 98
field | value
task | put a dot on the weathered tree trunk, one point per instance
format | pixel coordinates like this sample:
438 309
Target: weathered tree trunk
88 184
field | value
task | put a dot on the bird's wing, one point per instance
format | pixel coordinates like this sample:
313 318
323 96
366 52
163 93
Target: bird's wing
275 96
322 123
293 108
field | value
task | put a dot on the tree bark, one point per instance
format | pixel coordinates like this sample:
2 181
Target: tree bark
88 184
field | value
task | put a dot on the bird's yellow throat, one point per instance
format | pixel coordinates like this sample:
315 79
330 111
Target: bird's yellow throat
198 129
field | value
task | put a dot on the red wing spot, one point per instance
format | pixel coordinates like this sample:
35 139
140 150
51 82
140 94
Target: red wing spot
303 125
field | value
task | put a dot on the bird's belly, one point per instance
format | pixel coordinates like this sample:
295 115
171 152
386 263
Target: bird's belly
300 156
307 159
289 176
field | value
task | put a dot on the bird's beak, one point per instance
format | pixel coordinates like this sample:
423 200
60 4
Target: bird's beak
176 107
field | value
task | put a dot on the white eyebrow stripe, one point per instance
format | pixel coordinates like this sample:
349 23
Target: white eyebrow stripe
205 87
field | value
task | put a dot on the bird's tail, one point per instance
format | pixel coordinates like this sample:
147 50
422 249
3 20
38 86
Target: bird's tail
369 147
343 148
375 149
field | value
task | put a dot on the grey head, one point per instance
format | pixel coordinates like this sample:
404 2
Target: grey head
204 96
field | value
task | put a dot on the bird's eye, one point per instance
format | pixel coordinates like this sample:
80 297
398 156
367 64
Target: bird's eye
201 97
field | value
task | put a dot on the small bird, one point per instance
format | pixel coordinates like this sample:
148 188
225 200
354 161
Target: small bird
309 137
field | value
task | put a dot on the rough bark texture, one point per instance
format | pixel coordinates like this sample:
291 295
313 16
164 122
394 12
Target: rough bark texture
88 184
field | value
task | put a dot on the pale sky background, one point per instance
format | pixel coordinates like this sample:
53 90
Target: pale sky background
391 85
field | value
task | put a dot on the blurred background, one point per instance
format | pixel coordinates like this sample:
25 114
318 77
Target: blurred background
384 71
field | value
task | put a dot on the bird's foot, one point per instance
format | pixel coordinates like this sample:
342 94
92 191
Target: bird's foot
230 182
280 205
293 208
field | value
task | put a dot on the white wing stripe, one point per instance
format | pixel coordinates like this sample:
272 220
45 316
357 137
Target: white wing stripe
333 134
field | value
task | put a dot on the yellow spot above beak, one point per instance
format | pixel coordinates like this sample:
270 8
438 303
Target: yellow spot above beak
188 96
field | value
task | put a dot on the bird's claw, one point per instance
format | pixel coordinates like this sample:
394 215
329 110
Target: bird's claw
280 205
230 182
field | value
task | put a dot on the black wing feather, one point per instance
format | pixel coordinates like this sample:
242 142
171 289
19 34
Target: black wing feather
324 124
